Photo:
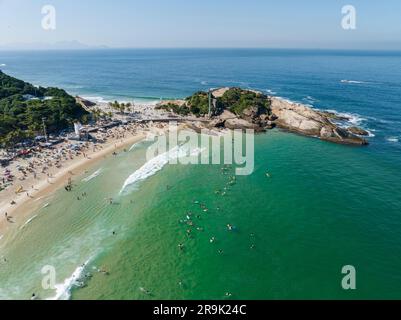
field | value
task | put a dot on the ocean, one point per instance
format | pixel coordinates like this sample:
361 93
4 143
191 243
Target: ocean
324 207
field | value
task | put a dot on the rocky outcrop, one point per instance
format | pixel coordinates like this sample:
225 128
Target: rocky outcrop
243 124
264 112
358 131
85 103
304 120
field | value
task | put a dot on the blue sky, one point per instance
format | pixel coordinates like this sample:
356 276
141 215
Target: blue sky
205 23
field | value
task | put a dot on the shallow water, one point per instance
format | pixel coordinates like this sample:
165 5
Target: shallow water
325 205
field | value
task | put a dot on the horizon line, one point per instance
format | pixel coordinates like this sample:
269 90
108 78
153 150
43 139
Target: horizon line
105 48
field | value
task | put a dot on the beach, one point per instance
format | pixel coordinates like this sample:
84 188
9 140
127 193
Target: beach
324 205
52 171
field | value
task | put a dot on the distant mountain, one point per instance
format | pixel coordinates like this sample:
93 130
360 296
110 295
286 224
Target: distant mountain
23 107
61 45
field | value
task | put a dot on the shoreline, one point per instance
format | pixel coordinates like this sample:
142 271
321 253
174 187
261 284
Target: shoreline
78 166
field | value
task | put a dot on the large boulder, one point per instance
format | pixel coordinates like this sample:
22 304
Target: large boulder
307 121
358 131
240 124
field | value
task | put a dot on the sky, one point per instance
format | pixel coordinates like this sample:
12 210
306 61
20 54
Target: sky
202 23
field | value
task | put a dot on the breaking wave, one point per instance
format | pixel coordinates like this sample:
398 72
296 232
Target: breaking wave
63 290
157 163
93 175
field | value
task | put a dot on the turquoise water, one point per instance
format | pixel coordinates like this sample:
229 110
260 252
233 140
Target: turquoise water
325 205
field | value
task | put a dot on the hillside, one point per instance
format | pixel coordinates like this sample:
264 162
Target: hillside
235 100
23 106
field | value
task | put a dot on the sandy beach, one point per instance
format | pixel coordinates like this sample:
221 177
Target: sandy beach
37 177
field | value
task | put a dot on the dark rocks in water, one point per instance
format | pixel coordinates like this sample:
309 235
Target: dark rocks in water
358 131
340 135
334 116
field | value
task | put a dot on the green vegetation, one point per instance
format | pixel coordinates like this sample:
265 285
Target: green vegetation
199 103
21 116
120 107
177 109
235 100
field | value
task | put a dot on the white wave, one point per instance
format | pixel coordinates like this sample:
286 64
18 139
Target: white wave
392 139
352 118
204 83
96 99
3 65
370 133
135 145
28 222
271 92
352 81
309 99
157 163
93 175
63 290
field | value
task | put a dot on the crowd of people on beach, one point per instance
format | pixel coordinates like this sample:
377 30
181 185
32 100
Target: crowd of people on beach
22 175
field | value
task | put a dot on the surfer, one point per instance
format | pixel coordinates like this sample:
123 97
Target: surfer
181 246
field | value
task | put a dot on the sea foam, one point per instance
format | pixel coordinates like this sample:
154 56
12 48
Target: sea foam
28 222
92 176
352 81
63 290
157 163
392 139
